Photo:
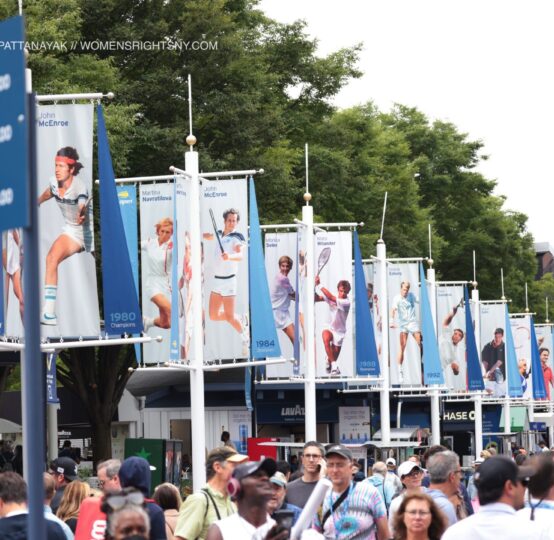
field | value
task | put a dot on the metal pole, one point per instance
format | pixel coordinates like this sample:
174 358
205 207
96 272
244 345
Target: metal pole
33 393
198 423
52 424
384 396
435 399
478 400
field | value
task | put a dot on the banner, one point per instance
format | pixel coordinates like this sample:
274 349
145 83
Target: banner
240 428
493 352
452 328
303 293
474 372
174 346
354 425
537 374
513 374
405 336
121 307
69 298
432 371
12 263
371 272
264 335
2 307
51 381
224 223
282 269
544 342
367 360
521 332
334 297
156 230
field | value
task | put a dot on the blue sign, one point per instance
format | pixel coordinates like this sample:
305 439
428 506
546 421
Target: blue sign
14 188
51 385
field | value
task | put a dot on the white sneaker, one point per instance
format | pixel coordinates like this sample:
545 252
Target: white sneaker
147 323
334 369
245 334
48 319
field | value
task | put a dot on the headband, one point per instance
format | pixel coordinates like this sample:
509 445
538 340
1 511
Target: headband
68 160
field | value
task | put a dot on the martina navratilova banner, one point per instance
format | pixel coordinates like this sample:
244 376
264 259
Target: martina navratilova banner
224 223
69 302
451 331
281 267
334 298
493 348
405 338
544 341
521 332
156 230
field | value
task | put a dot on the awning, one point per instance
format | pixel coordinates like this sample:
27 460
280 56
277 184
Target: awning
9 427
519 420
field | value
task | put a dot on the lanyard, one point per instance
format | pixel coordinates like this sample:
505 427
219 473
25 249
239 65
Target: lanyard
340 523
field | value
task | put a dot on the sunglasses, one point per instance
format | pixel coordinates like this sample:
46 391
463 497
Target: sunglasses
116 502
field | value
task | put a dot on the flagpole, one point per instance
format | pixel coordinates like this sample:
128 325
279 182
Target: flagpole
435 399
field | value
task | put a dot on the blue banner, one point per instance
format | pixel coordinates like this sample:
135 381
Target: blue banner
474 375
174 348
2 330
537 378
296 352
432 371
264 334
367 359
121 307
512 371
14 181
51 384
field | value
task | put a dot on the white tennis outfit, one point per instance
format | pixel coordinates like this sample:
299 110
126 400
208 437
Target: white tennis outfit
12 252
406 312
339 313
225 271
281 289
69 205
450 353
159 267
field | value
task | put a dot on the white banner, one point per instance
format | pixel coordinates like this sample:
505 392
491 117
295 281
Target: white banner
405 329
354 425
69 303
156 229
224 215
451 324
544 339
334 296
281 267
12 281
493 348
371 273
521 332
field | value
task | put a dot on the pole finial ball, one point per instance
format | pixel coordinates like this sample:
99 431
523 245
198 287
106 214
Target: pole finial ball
474 284
307 196
191 140
430 262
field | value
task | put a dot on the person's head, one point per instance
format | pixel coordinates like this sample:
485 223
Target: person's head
221 463
13 493
520 459
108 475
457 335
498 336
225 436
410 474
405 288
485 454
284 467
339 465
541 484
544 355
391 464
416 458
522 366
167 497
250 485
128 521
432 450
279 485
66 444
285 264
379 467
369 290
499 479
231 217
343 288
135 473
444 470
74 494
542 444
522 450
67 163
164 230
49 485
419 513
64 471
312 454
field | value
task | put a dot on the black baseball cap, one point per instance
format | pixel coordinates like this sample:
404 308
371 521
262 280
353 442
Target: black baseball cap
246 469
339 450
65 466
494 472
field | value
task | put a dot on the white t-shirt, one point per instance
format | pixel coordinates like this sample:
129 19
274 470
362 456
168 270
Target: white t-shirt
229 242
405 307
235 527
159 257
281 290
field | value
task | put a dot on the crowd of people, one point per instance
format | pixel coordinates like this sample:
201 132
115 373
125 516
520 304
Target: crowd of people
423 498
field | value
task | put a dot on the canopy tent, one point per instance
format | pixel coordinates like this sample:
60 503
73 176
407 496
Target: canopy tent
6 426
519 420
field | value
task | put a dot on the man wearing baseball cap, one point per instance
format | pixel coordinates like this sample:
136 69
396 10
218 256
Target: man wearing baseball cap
501 488
411 475
212 502
64 471
251 488
277 501
350 509
391 478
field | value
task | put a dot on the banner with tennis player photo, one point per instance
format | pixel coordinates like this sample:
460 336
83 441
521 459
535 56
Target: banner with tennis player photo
521 332
493 348
371 272
333 295
281 267
405 338
544 342
224 225
451 332
69 302
156 230
11 310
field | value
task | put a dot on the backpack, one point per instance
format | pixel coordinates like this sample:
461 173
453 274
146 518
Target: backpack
7 464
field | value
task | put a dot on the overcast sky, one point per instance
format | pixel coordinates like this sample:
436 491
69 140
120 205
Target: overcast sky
484 65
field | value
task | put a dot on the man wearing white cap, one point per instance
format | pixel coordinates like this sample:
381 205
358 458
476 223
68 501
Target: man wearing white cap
392 477
277 502
411 475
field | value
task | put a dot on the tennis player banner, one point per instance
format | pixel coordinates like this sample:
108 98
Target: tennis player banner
515 387
65 171
474 373
264 335
544 343
493 352
538 382
121 307
521 333
224 225
174 347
